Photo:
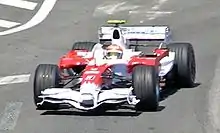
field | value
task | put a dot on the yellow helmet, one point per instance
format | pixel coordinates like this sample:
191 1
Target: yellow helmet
114 52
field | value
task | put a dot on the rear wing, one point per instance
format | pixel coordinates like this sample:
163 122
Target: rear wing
136 33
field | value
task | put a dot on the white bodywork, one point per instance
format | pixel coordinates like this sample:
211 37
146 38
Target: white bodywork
74 98
92 93
137 33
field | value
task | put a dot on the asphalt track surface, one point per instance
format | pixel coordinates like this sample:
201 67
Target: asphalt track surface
184 111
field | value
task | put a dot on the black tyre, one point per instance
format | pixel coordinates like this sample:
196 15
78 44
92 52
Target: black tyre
184 64
46 76
83 45
146 87
145 49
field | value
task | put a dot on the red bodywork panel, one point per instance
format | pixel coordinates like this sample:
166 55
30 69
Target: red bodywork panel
72 59
93 73
150 60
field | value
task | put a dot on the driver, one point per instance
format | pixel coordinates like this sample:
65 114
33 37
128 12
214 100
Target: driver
114 51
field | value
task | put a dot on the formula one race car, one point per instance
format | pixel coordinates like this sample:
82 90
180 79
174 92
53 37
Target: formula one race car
119 69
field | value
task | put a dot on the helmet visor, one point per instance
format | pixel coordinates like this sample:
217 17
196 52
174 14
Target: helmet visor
114 54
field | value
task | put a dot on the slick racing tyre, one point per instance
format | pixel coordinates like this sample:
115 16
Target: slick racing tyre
148 49
84 45
146 87
184 64
46 76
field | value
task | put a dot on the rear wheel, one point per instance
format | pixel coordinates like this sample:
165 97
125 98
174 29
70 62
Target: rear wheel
46 76
146 87
83 45
184 70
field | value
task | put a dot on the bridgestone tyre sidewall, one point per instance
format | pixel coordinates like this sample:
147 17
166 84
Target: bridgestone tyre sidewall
184 64
84 45
146 87
46 76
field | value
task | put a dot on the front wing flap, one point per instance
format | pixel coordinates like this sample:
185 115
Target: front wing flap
75 98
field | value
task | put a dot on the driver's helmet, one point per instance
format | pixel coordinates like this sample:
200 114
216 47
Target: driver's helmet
114 51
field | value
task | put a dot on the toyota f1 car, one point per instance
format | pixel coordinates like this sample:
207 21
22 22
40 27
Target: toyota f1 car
85 79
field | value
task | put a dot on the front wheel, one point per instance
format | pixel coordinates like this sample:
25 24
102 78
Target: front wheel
146 87
46 76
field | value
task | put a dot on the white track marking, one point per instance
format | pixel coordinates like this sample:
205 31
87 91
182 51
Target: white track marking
114 7
10 116
19 3
43 12
110 9
142 21
8 24
214 103
154 11
158 4
155 14
152 14
14 79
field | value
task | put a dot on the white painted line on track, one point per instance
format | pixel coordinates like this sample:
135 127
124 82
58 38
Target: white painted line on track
19 3
14 79
43 12
158 4
214 103
8 24
155 14
113 7
10 116
151 12
110 9
151 15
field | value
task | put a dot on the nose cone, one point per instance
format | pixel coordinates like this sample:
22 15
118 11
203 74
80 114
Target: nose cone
87 100
89 94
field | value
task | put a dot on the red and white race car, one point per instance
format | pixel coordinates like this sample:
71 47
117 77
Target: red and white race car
116 70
